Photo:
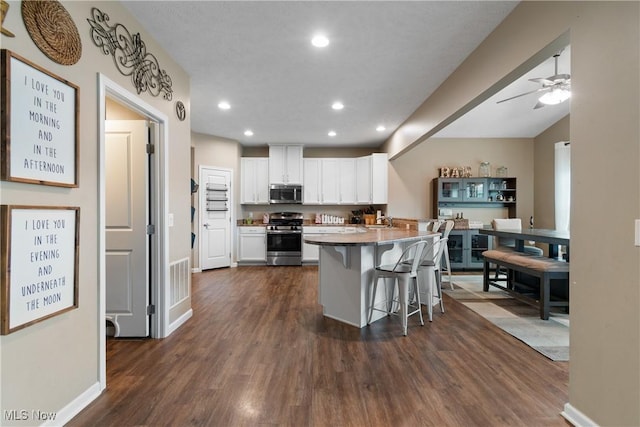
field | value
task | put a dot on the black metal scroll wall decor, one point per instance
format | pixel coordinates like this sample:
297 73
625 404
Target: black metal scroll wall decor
130 55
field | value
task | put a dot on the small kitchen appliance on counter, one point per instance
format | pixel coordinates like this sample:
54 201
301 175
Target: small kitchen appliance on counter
284 238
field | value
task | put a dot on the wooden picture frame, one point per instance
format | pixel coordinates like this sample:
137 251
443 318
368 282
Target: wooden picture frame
40 124
38 265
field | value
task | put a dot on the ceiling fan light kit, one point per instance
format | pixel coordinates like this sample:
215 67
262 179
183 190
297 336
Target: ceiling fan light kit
555 89
556 96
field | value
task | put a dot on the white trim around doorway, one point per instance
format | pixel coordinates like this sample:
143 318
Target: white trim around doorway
160 256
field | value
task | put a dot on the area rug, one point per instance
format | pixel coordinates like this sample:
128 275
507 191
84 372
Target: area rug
548 337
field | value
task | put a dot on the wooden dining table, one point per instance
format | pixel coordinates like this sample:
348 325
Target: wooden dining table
554 238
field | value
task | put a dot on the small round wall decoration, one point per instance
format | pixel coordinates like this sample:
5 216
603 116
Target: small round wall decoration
181 111
52 30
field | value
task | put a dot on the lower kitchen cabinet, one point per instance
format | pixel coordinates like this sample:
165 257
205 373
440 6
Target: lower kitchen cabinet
252 244
466 247
311 253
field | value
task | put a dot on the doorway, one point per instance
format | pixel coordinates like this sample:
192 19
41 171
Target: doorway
157 253
128 180
215 217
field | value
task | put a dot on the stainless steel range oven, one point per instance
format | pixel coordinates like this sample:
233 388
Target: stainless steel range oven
284 238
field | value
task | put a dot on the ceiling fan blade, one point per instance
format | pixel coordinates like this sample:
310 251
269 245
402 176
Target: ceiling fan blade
523 94
565 77
542 80
539 105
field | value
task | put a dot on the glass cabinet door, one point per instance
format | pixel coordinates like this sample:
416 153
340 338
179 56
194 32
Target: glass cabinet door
455 246
479 244
450 190
475 190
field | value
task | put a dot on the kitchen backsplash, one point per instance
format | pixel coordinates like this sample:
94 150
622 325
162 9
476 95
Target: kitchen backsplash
308 211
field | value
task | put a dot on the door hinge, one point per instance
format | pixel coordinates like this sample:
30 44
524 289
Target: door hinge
151 229
151 309
151 149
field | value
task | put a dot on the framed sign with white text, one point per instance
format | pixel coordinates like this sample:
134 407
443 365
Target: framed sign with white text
39 124
39 264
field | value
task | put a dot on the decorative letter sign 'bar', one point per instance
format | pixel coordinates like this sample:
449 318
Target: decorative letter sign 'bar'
455 172
39 264
39 125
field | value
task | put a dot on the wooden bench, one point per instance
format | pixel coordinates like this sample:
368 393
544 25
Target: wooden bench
544 269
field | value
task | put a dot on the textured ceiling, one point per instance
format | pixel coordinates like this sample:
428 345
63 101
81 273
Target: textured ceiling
383 61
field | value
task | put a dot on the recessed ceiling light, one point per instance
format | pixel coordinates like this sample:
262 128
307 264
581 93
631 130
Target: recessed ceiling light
337 105
332 133
248 132
320 40
224 105
381 128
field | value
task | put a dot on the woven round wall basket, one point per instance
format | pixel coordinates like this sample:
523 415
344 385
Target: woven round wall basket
52 30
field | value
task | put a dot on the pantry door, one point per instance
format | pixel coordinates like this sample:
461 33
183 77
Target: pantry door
215 217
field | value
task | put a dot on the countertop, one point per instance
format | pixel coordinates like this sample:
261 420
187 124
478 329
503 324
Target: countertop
364 237
306 223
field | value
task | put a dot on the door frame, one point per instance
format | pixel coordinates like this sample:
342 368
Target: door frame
232 226
159 254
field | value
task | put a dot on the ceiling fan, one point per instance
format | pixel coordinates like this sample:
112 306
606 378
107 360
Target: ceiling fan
555 89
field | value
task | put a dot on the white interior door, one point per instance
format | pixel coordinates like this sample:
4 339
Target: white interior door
127 213
215 218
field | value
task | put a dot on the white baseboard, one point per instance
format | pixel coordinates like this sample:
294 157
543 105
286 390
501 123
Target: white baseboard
179 322
234 264
196 270
577 418
67 413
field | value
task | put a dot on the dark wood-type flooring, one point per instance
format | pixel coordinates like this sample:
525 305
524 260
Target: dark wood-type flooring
258 351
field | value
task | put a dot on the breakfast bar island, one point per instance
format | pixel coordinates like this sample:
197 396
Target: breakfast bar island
346 266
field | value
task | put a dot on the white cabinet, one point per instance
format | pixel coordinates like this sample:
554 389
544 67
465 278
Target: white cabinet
347 181
312 181
329 181
311 253
285 164
363 181
379 178
252 244
254 180
372 179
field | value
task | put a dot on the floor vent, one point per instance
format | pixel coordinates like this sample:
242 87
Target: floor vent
179 273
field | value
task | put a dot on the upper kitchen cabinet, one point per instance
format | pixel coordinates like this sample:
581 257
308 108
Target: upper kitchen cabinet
285 164
475 192
254 180
372 179
329 181
347 181
312 182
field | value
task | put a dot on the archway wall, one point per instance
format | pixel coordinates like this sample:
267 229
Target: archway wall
604 133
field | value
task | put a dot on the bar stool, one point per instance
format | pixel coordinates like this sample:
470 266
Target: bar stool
432 267
405 275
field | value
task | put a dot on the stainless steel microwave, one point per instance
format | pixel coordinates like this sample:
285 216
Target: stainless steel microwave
279 193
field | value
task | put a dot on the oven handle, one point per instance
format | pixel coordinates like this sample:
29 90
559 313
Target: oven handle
284 232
